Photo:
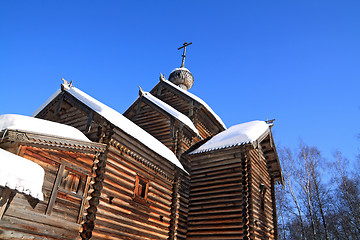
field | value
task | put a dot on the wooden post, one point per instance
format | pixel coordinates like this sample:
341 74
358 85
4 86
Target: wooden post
54 190
83 200
174 208
98 173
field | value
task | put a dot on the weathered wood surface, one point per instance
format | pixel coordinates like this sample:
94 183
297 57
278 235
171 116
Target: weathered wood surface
55 219
122 217
186 105
216 196
226 194
221 199
125 218
174 134
263 226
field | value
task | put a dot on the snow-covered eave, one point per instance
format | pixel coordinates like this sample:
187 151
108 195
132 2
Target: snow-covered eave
253 143
145 139
197 99
242 144
35 138
145 154
249 144
40 126
170 111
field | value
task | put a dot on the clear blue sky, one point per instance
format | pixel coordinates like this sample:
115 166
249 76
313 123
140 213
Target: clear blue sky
296 61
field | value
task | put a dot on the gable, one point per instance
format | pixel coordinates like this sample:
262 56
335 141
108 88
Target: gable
204 118
89 115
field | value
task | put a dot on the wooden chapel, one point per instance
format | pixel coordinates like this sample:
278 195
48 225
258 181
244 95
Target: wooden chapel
168 168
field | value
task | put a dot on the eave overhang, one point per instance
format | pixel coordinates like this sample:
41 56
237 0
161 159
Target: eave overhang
47 141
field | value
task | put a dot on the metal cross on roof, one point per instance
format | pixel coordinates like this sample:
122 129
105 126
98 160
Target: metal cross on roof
184 47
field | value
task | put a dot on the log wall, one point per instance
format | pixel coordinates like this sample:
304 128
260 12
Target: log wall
216 196
183 211
226 194
123 217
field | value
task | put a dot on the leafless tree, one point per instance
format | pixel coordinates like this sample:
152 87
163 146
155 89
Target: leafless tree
347 196
304 172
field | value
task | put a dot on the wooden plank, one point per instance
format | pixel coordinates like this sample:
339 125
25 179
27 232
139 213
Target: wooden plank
4 200
83 200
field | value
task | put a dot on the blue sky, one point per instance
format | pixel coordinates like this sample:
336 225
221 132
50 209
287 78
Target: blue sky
295 61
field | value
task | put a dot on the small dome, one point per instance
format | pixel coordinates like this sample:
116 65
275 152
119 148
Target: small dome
182 77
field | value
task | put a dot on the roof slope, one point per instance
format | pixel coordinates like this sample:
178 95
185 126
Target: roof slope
197 99
234 136
172 111
21 174
119 121
36 125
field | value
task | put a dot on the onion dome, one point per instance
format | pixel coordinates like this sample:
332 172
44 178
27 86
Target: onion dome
182 77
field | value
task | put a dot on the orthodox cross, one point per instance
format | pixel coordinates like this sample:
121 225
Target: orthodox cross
184 47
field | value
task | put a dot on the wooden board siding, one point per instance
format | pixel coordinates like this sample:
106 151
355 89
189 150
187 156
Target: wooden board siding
154 123
216 197
262 226
180 104
70 111
206 124
125 218
22 221
162 125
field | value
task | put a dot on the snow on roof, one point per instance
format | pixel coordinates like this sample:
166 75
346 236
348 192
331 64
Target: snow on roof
175 113
21 174
197 99
123 123
37 125
234 136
